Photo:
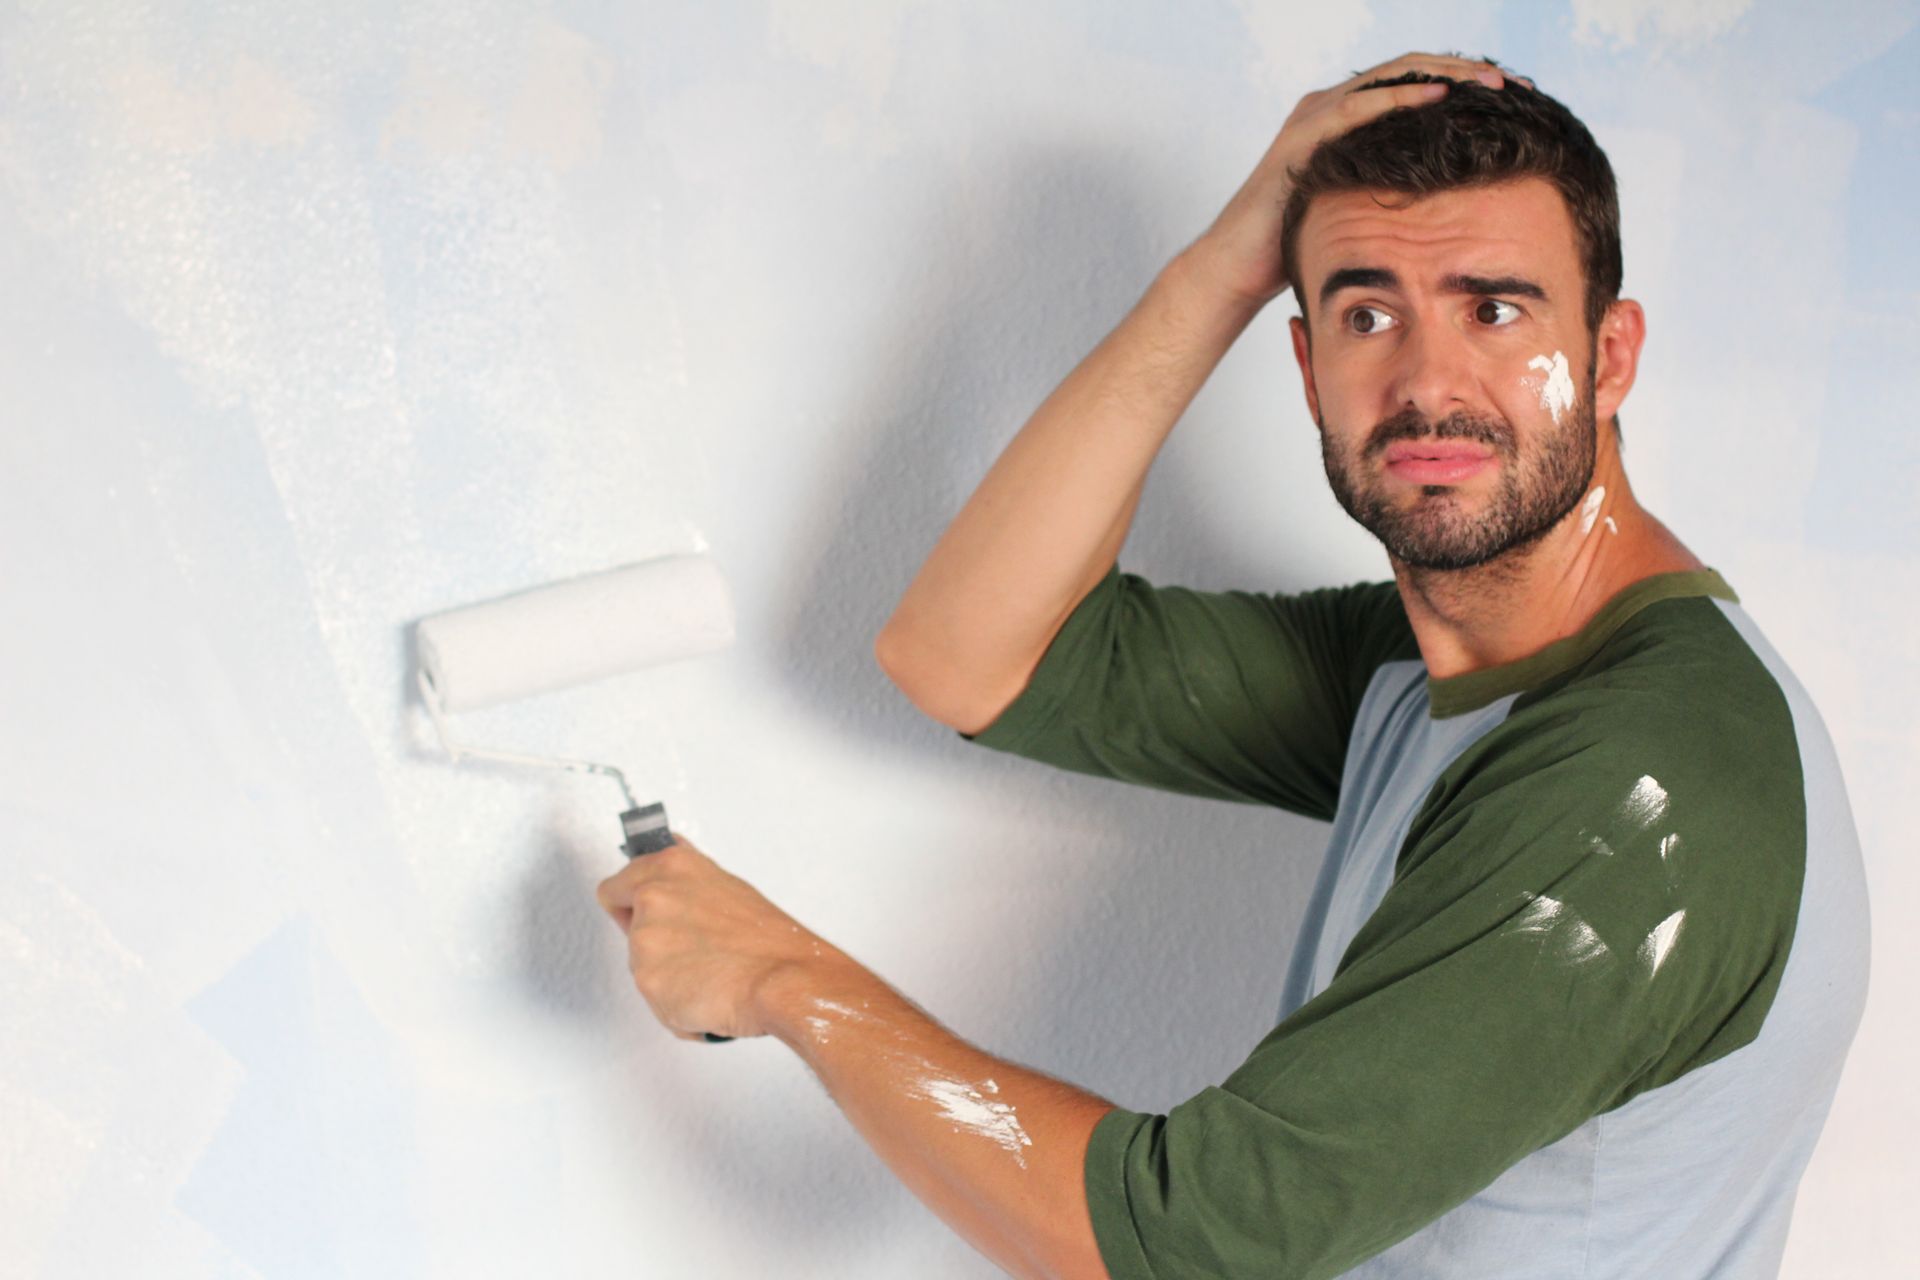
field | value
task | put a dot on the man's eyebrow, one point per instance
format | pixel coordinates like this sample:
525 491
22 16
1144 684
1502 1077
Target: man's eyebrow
1381 278
1511 286
1358 278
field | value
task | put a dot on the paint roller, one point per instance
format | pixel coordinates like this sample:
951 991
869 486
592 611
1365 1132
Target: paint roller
567 634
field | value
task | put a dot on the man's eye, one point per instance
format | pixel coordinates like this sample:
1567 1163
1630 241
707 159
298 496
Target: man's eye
1369 320
1490 311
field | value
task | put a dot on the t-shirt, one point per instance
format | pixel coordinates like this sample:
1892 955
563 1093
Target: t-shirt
1580 967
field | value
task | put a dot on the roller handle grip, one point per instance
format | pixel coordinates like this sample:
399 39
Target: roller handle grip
645 829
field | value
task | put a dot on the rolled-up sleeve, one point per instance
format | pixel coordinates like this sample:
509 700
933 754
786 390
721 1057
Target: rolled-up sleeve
1233 695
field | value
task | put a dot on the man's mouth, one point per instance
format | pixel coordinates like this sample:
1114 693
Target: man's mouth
1436 461
1435 451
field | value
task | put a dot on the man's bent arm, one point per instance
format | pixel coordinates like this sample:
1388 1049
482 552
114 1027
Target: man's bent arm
996 1150
1048 520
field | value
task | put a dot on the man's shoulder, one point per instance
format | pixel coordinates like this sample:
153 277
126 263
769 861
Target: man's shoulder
1671 749
1677 679
1676 694
1643 816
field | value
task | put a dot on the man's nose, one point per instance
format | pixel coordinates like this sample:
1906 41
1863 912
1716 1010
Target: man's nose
1433 371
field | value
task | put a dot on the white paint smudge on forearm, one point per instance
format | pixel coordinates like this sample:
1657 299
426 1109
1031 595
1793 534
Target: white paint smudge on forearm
973 1108
970 1108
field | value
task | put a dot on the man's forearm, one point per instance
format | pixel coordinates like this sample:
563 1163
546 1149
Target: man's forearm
1051 514
996 1150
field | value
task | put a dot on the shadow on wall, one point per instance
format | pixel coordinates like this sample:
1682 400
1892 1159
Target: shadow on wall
565 939
1029 279
1025 292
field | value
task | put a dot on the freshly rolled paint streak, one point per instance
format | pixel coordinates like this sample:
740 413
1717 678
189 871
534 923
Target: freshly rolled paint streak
1556 388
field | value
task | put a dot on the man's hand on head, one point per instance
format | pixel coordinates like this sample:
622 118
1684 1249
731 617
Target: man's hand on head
1240 252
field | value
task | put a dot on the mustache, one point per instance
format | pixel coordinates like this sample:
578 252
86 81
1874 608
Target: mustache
1411 424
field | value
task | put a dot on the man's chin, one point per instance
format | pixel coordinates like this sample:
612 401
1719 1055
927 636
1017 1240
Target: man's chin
1434 560
1459 542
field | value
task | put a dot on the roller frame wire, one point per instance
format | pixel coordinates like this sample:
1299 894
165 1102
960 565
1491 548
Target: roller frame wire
459 751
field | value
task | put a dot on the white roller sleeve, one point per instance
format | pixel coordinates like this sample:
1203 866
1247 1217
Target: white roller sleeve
577 631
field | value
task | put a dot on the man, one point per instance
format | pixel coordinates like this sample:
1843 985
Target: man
1590 941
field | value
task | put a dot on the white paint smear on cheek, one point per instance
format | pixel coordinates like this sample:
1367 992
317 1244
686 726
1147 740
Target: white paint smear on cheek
1556 388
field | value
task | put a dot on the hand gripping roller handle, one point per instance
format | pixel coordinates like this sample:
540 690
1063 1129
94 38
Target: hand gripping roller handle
645 829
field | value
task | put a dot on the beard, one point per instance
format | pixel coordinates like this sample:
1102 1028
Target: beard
1437 528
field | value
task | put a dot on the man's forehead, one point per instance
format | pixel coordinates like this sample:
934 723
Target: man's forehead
1511 228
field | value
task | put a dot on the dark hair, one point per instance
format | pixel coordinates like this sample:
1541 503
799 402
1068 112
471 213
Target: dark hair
1475 136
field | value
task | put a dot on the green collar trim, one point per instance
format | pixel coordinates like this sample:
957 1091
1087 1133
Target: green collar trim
1473 690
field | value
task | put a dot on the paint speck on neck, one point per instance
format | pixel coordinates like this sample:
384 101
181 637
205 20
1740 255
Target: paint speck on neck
1591 510
1556 387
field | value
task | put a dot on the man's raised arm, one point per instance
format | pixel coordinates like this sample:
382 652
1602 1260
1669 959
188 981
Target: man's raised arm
1048 521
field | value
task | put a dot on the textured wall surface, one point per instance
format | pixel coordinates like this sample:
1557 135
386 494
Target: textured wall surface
324 315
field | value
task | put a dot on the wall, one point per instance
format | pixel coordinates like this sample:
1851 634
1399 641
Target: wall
322 317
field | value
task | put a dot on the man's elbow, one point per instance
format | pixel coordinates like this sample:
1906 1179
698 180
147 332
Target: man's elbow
940 690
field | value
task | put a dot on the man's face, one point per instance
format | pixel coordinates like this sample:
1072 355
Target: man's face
1450 367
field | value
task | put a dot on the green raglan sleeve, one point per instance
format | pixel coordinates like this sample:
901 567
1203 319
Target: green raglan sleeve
1589 905
1233 695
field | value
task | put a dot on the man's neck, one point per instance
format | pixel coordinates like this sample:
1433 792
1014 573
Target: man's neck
1470 619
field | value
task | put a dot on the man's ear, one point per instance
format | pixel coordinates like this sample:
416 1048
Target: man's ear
1616 356
1303 353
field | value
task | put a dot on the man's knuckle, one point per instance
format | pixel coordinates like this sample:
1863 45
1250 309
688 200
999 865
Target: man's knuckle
643 951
